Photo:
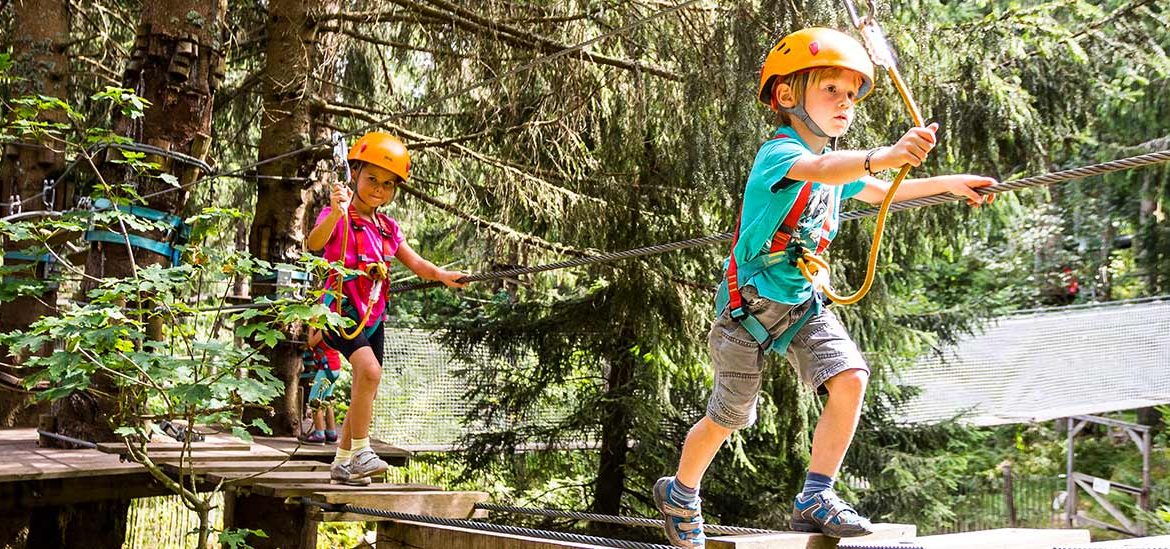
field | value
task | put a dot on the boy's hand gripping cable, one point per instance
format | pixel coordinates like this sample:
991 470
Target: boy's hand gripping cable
815 269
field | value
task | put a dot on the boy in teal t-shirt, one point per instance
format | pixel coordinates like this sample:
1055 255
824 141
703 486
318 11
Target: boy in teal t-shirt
792 203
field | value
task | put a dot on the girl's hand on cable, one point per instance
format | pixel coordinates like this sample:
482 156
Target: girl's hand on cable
340 196
451 278
964 185
911 149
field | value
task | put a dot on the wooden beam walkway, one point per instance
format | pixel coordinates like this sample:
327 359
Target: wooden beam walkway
283 488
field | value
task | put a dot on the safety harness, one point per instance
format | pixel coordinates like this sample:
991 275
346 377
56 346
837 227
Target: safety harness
319 370
781 248
375 271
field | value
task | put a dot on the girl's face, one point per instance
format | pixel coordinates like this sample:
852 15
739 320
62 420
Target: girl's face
376 185
829 102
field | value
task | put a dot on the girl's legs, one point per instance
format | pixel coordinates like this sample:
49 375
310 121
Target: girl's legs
367 374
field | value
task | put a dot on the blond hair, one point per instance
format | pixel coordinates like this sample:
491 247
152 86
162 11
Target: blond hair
801 81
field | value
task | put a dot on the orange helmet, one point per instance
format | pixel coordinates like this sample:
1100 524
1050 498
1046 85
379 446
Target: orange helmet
382 150
813 48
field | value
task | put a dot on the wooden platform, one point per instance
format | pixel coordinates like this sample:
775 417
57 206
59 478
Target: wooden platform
32 476
1004 538
883 535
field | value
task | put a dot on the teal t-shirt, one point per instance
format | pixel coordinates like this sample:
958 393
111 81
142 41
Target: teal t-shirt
766 201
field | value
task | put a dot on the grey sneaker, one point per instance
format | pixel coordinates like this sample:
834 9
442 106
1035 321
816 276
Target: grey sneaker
339 473
684 526
827 513
365 463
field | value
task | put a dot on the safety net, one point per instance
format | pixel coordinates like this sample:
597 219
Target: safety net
1048 364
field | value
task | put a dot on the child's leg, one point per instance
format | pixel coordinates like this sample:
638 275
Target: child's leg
829 360
330 419
367 374
738 363
838 421
703 442
319 420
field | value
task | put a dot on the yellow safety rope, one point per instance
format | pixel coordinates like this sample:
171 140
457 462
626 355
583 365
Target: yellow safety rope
376 271
814 268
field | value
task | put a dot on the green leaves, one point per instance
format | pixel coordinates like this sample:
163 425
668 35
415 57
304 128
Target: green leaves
123 99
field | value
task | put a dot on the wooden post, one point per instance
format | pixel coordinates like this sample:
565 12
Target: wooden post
1009 497
287 526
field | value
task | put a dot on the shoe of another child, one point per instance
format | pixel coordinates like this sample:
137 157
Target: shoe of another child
315 437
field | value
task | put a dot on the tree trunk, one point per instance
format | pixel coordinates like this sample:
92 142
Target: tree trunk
615 430
284 187
41 28
176 66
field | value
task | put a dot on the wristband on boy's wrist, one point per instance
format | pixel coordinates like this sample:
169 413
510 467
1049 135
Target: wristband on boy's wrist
868 157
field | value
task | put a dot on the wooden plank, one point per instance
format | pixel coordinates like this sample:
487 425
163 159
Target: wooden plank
1003 538
203 467
22 496
883 533
1152 542
456 505
281 490
224 443
392 454
245 478
22 461
411 535
215 455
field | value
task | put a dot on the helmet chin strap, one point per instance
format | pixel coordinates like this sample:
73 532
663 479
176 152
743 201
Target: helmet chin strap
802 114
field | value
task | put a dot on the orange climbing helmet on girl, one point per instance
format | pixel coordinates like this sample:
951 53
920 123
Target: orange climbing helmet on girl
383 150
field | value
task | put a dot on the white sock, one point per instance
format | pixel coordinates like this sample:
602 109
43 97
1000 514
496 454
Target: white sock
342 456
359 443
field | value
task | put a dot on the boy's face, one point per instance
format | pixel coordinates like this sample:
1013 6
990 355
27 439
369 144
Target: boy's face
376 185
829 101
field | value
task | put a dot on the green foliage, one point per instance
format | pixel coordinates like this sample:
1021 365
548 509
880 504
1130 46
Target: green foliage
237 538
577 155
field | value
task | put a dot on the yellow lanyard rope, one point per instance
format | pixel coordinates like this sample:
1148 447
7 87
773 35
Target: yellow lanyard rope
376 271
814 268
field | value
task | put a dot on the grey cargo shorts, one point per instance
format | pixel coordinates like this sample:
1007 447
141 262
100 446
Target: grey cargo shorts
819 351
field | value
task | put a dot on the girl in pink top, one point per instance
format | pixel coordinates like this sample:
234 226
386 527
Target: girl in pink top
352 227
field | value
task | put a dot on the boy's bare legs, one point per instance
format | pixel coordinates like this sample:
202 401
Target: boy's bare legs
677 497
817 507
838 421
703 442
367 374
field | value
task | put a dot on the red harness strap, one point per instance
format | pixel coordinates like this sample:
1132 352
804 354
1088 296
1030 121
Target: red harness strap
780 241
356 227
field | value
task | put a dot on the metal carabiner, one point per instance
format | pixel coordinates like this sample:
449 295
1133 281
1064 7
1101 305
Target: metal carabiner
341 155
49 193
882 54
871 35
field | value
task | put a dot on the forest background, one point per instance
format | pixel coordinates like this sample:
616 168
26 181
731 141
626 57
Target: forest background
643 137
